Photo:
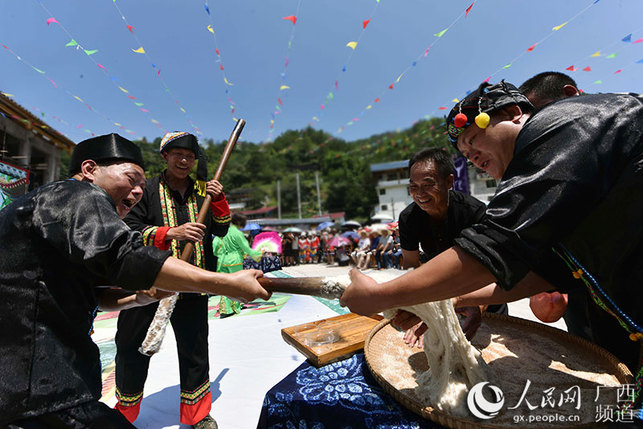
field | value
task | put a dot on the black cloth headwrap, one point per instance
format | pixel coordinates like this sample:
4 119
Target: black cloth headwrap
109 147
487 98
183 140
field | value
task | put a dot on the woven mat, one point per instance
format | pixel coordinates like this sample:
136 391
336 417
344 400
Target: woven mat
516 350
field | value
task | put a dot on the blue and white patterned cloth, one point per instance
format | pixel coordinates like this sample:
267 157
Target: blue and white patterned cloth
339 395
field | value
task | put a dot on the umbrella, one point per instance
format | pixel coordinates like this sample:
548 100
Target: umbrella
382 218
350 234
338 241
352 223
324 225
268 241
379 227
293 229
251 227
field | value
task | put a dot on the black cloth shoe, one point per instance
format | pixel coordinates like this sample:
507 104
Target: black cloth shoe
207 423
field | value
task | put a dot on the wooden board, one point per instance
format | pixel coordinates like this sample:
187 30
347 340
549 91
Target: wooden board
329 340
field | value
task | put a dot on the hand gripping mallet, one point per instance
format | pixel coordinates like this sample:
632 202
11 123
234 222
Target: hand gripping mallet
156 332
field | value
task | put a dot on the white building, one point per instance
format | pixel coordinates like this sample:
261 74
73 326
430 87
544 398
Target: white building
392 188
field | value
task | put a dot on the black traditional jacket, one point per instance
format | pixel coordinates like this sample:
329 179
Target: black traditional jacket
576 179
56 244
161 208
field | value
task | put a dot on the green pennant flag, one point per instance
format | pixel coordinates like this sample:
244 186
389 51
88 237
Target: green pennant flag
92 52
441 33
611 55
72 43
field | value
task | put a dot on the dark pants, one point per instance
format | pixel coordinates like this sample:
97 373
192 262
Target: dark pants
190 324
95 415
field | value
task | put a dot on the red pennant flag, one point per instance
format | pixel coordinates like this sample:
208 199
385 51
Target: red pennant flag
217 51
571 68
130 28
390 86
468 10
280 102
291 18
220 67
531 48
377 100
443 108
365 23
588 68
158 73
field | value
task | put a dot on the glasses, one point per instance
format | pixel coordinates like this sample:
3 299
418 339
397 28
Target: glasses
187 156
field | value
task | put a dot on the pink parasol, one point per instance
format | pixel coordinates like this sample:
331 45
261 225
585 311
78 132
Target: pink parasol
338 241
268 241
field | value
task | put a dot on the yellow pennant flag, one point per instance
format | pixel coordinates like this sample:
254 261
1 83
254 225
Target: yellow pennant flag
558 27
282 87
123 89
210 29
596 54
225 79
78 98
368 107
352 45
139 50
455 100
182 109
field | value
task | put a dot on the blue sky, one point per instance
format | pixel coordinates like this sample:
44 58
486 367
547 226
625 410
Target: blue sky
253 42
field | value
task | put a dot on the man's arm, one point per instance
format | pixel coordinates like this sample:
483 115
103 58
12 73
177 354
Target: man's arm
411 259
179 276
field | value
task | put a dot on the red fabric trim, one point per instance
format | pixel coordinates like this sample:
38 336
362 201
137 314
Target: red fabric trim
130 413
220 207
159 238
192 414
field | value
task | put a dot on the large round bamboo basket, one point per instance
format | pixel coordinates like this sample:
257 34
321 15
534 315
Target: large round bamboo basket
515 350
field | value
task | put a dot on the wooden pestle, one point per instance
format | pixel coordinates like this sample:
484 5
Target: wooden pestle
300 286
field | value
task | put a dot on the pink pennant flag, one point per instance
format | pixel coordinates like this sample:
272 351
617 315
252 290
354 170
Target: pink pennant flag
322 107
531 48
131 97
50 20
588 68
426 52
53 83
571 68
291 18
287 61
365 23
130 28
618 71
487 79
336 86
468 10
638 41
100 65
158 73
145 110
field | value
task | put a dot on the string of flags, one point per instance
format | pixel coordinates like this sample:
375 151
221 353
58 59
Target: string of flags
612 55
219 60
283 88
43 73
31 123
335 88
141 50
437 37
115 81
